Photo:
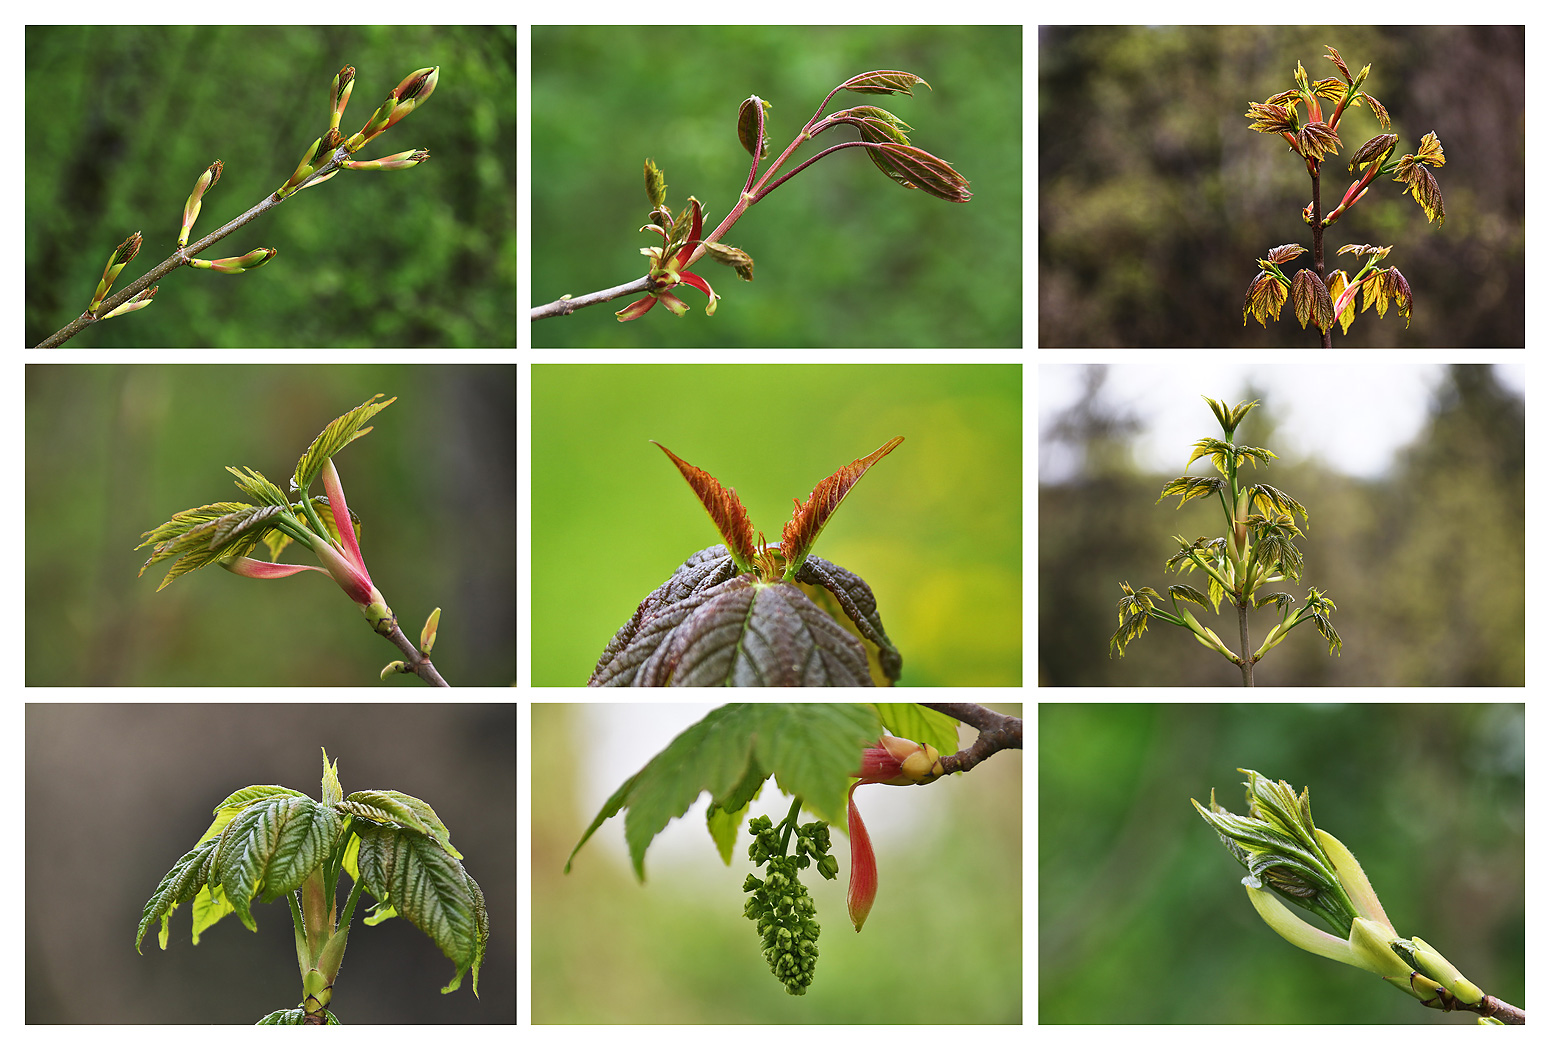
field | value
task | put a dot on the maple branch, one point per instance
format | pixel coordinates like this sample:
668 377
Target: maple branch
570 304
997 732
415 662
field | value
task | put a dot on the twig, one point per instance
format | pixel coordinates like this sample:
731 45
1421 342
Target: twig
998 732
561 307
415 662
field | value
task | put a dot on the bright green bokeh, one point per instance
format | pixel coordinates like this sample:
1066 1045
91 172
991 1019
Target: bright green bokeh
121 120
843 256
935 528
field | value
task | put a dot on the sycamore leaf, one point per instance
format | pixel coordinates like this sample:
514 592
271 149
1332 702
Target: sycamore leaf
724 817
186 537
811 749
750 127
270 848
800 533
259 487
178 886
423 883
711 625
846 597
913 722
724 508
334 437
238 801
395 806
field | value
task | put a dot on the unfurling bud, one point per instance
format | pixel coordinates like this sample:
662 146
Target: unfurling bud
116 263
344 83
237 264
207 179
396 162
396 667
428 632
137 302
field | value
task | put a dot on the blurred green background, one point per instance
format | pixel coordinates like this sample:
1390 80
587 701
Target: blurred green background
1155 199
121 120
1142 918
116 793
1425 562
843 256
935 528
115 450
942 945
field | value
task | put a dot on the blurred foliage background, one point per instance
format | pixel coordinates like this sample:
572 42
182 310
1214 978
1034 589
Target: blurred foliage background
1142 918
115 450
1155 199
116 793
121 120
943 944
843 257
1426 564
935 528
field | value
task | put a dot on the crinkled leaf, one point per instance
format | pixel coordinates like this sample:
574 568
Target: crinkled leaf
656 184
854 608
334 437
724 508
915 169
270 848
295 1015
186 537
883 82
403 809
259 487
799 534
178 886
427 886
238 801
810 749
727 255
633 642
913 722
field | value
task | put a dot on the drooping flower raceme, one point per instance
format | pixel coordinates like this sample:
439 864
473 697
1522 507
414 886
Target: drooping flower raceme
1290 861
891 761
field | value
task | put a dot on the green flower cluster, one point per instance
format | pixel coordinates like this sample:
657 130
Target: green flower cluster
779 904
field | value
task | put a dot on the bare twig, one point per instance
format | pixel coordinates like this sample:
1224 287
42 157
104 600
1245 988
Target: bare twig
561 307
415 662
998 732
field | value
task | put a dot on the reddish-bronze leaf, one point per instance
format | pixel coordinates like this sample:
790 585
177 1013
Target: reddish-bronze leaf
883 82
724 508
797 538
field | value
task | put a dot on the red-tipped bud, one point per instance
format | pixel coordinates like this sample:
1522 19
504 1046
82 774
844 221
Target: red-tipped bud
863 866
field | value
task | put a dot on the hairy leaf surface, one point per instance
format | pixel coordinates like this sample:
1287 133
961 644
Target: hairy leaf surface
426 885
404 809
801 532
810 749
270 848
724 508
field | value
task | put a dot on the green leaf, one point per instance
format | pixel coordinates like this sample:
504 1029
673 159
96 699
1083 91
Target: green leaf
750 126
914 722
186 536
334 437
810 749
259 487
725 818
178 886
293 1016
238 801
426 885
656 184
270 848
404 809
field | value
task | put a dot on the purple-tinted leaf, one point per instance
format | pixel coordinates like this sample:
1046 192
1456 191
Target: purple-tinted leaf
725 509
883 82
711 625
797 538
854 598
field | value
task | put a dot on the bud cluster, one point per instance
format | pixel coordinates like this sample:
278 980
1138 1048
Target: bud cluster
779 904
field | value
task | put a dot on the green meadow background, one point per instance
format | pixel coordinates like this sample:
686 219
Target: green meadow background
121 120
843 256
1142 915
935 528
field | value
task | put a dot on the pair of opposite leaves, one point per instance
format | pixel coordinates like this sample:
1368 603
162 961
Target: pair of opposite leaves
750 613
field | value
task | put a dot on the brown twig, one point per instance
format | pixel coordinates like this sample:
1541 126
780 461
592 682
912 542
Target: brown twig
997 732
569 305
415 662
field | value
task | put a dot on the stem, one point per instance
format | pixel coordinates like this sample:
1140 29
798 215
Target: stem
789 823
1318 269
561 307
1247 661
178 258
997 732
415 662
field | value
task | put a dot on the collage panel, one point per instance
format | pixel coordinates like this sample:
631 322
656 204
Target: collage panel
711 865
139 476
419 799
